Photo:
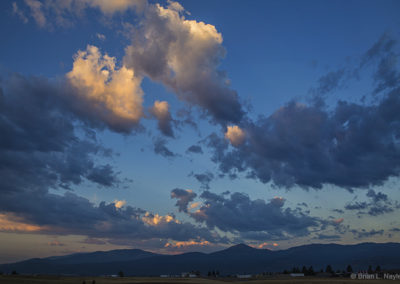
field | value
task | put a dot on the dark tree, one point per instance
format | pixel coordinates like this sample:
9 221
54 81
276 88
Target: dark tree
121 274
14 272
329 269
310 271
378 268
370 271
304 270
349 269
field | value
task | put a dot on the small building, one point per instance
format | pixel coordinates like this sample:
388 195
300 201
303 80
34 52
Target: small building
243 276
297 274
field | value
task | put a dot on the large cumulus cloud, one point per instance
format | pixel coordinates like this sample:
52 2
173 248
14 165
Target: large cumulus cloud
110 94
351 145
184 55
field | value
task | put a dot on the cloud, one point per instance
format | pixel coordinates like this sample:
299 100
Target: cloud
55 243
11 223
329 82
48 14
362 234
110 7
100 36
379 204
235 135
36 11
194 149
119 203
46 151
328 237
237 213
113 94
17 11
184 55
385 57
187 244
352 146
204 179
160 110
184 197
160 148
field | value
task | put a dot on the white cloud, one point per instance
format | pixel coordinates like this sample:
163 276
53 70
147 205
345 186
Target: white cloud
184 55
101 36
114 94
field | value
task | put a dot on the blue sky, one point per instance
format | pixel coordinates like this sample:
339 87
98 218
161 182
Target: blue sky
290 108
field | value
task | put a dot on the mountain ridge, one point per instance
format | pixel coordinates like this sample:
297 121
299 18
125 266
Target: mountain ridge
239 258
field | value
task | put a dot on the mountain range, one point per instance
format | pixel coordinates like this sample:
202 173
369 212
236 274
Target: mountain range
238 259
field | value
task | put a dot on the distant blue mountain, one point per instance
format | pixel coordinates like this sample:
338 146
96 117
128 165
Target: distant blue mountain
240 259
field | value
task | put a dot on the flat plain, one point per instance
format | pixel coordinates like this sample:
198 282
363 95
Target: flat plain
157 280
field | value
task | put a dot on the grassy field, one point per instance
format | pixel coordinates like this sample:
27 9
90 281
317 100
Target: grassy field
138 280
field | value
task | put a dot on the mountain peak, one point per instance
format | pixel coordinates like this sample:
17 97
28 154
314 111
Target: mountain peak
240 247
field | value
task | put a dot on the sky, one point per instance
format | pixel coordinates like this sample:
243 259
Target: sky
196 125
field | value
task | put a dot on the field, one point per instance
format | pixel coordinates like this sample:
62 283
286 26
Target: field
156 280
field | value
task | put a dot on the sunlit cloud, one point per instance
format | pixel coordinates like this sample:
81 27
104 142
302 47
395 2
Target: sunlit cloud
55 243
10 223
156 219
184 244
338 221
235 135
113 93
119 203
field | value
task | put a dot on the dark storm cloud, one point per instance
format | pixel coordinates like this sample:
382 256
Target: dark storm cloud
194 149
238 213
160 148
184 197
379 204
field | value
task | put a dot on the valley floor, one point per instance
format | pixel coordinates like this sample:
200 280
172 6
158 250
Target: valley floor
156 280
